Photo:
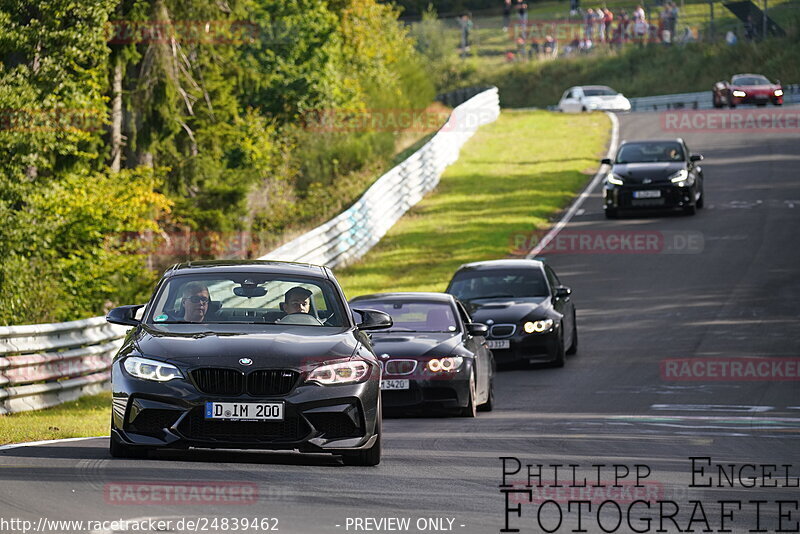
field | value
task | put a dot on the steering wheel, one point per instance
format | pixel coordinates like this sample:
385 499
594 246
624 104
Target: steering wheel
326 322
299 319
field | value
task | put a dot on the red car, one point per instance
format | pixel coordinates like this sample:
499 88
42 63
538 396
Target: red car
747 89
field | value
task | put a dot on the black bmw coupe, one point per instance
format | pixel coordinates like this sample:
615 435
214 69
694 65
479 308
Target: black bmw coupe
433 356
530 314
655 175
247 355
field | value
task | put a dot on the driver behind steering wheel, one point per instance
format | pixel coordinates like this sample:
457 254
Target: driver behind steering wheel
296 300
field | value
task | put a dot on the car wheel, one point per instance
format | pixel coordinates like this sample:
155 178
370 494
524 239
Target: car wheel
488 406
701 201
560 357
574 347
118 449
368 457
471 409
583 108
611 213
717 102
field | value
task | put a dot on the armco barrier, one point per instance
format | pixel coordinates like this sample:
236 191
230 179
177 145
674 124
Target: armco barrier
699 100
351 234
45 365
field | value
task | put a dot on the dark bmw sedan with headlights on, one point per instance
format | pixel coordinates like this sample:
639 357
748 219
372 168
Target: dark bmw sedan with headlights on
247 355
653 174
530 314
434 356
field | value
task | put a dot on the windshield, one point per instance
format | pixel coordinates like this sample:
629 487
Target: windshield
653 152
415 316
599 91
506 283
247 298
751 80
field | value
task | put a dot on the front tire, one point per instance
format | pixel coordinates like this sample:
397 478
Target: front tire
118 449
488 406
611 213
560 357
574 347
690 210
471 409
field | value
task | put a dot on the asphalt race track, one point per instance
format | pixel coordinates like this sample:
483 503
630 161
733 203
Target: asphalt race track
720 288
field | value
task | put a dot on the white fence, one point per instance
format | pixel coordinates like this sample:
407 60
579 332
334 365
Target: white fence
350 235
45 365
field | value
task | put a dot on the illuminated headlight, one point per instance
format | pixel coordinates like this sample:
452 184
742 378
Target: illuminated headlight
340 373
538 326
739 94
446 365
614 179
147 369
778 92
681 178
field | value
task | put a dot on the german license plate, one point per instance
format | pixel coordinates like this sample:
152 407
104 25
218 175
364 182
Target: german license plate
401 383
652 193
245 411
498 344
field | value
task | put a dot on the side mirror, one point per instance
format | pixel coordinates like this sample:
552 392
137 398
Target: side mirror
605 161
696 157
477 329
562 292
125 315
373 320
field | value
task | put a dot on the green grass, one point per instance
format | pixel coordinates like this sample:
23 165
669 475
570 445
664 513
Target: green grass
87 416
512 177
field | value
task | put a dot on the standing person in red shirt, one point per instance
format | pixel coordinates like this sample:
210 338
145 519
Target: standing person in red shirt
608 18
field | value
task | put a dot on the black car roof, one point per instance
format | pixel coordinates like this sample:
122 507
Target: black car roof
500 264
672 139
407 295
248 266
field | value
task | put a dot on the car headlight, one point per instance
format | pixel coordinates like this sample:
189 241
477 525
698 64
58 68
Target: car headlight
148 369
446 365
778 92
682 178
538 326
739 94
614 179
340 373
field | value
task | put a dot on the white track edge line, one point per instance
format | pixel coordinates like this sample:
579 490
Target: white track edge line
45 442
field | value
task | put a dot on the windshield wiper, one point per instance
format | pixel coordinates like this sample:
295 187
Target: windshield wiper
492 297
397 329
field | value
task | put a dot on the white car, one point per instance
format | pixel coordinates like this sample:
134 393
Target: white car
591 98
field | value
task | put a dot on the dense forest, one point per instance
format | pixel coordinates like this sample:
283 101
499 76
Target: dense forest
126 123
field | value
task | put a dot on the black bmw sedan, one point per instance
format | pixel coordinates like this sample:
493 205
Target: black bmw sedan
655 175
434 356
530 314
248 355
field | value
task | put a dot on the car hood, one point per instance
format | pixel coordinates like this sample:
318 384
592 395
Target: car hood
291 347
414 345
513 310
638 173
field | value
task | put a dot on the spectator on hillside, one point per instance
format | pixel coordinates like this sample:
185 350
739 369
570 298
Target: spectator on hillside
506 15
550 47
465 21
663 23
673 17
622 26
639 30
574 7
750 29
731 38
608 19
534 47
588 23
522 52
638 14
522 15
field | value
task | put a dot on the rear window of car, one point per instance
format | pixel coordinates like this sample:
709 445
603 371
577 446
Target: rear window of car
651 152
245 298
521 283
599 92
415 316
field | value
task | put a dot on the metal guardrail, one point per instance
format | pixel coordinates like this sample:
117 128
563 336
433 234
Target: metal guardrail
48 364
699 100
351 234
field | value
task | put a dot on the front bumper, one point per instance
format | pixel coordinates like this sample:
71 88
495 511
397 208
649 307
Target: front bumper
541 347
170 415
756 99
450 391
669 197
